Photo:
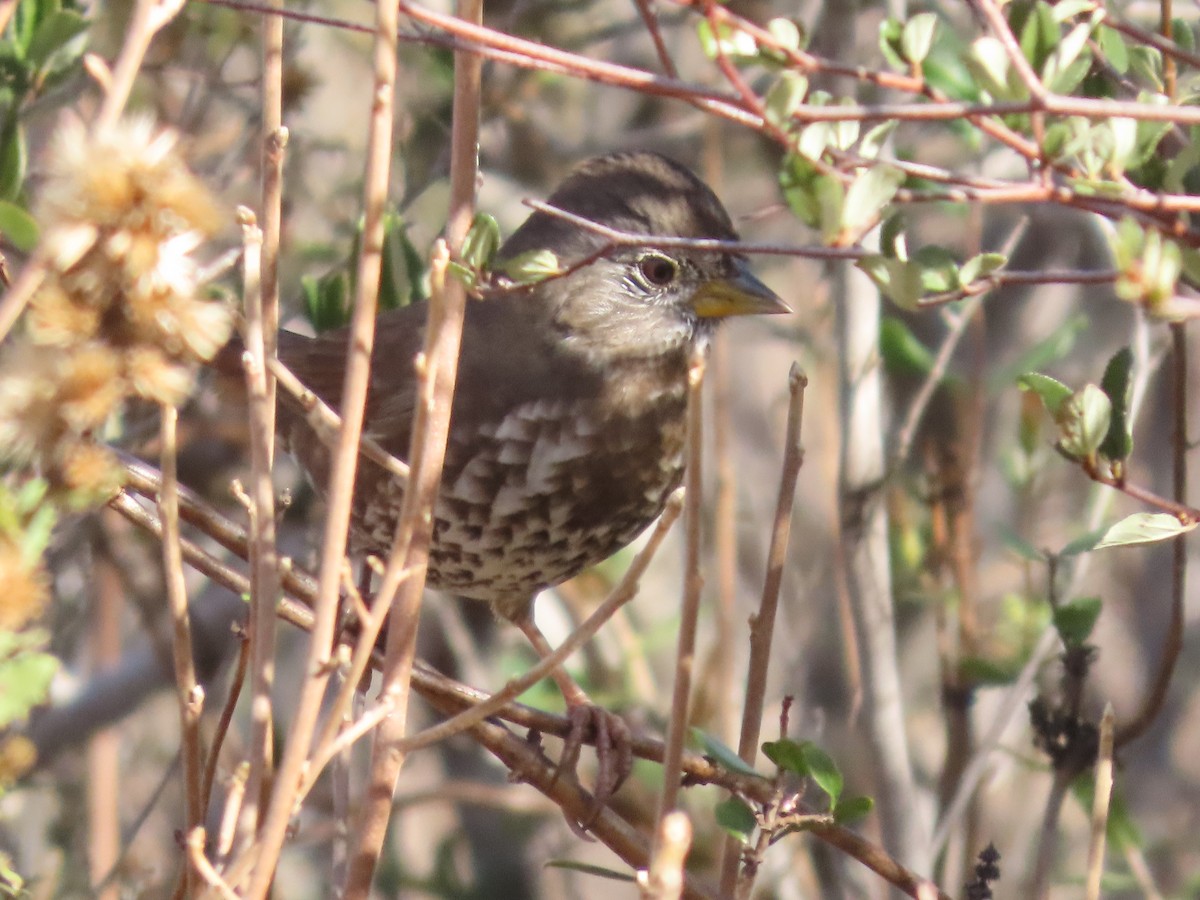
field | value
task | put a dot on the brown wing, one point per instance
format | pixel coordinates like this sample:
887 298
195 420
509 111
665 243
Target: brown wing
508 357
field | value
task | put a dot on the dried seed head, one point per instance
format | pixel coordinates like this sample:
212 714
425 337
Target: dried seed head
24 588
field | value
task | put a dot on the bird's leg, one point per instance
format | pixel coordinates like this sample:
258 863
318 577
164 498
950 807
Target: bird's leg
614 742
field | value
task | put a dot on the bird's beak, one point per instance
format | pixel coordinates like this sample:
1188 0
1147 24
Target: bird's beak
740 294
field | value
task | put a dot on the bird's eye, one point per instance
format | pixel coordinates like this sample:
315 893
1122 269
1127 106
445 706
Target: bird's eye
658 270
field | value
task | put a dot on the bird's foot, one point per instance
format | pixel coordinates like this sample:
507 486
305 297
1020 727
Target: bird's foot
614 753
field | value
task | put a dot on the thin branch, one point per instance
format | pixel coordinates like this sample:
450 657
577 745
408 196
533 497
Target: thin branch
1102 795
1153 703
430 429
762 624
449 695
189 694
693 582
622 593
664 880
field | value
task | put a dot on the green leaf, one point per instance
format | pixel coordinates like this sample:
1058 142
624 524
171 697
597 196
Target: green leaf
1117 384
52 34
872 142
13 161
1039 35
1020 546
851 810
736 818
787 32
1112 45
531 266
1085 543
1084 420
831 200
18 226
402 275
824 771
784 97
902 352
1075 620
481 243
25 674
1053 393
982 670
571 865
721 753
788 755
981 266
869 194
899 281
891 34
918 37
1143 528
988 62
938 269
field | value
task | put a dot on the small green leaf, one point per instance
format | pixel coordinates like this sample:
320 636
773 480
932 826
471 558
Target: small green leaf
1075 620
868 194
1020 546
989 63
1143 528
918 37
938 268
784 97
851 810
1112 45
13 161
481 242
787 755
589 869
531 266
902 352
824 771
891 34
721 753
25 674
18 226
735 818
981 266
1084 420
831 201
1085 543
787 32
1053 393
872 142
55 31
1117 384
982 670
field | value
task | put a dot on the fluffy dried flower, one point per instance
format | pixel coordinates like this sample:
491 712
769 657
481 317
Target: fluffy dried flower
50 396
24 588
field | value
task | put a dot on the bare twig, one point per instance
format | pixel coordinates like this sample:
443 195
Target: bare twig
1152 704
264 557
762 624
685 652
448 695
665 879
621 594
149 17
190 694
431 427
1100 800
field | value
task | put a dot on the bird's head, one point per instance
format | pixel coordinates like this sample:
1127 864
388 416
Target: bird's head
639 299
